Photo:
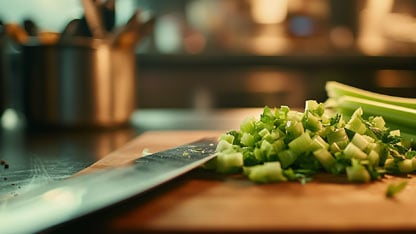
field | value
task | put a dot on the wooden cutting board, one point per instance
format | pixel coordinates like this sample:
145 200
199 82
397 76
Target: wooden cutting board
204 201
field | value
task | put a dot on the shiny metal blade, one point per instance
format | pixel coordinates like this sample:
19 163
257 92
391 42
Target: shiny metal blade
65 200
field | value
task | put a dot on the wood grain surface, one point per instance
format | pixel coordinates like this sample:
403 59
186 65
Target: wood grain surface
203 201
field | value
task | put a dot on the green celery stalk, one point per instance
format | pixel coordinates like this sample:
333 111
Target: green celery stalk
391 113
337 90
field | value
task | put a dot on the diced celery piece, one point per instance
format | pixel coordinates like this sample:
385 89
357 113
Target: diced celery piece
358 173
273 136
278 145
338 136
287 157
395 132
294 116
373 158
248 125
266 173
227 137
355 123
314 107
334 148
259 155
224 145
311 122
229 162
247 139
264 132
325 158
352 151
360 141
294 129
301 144
379 122
318 143
389 163
405 166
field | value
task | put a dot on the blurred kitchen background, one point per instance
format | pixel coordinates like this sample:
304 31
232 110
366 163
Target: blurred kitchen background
206 54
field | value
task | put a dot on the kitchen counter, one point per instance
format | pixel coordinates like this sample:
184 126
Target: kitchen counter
199 201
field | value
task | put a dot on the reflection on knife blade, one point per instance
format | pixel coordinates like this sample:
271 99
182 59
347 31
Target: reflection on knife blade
47 206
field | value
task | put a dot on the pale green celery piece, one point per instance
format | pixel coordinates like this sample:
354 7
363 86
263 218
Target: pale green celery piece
395 132
379 122
287 157
264 132
278 145
372 146
338 136
224 145
334 148
229 162
337 90
373 158
314 107
389 163
395 188
294 116
227 137
405 166
391 113
355 123
358 173
248 124
352 151
318 142
301 144
273 136
263 153
312 122
360 141
247 139
266 173
325 158
294 128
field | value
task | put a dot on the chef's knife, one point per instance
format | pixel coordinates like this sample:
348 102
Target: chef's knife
47 206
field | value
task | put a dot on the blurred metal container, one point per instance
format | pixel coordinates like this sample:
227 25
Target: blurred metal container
82 83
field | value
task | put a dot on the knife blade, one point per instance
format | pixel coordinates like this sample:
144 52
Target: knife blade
62 201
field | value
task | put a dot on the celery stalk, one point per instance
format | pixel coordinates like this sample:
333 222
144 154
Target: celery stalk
337 90
391 113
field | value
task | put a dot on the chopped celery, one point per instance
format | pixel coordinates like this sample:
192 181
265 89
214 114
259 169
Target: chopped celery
284 144
352 151
325 158
247 139
360 141
301 144
405 166
357 173
265 173
318 143
395 188
287 157
229 162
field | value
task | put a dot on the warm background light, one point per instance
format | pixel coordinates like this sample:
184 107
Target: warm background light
269 11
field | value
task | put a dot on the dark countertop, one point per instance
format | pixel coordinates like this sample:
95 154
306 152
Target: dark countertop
39 157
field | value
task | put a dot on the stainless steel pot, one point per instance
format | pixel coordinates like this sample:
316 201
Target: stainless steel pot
84 82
